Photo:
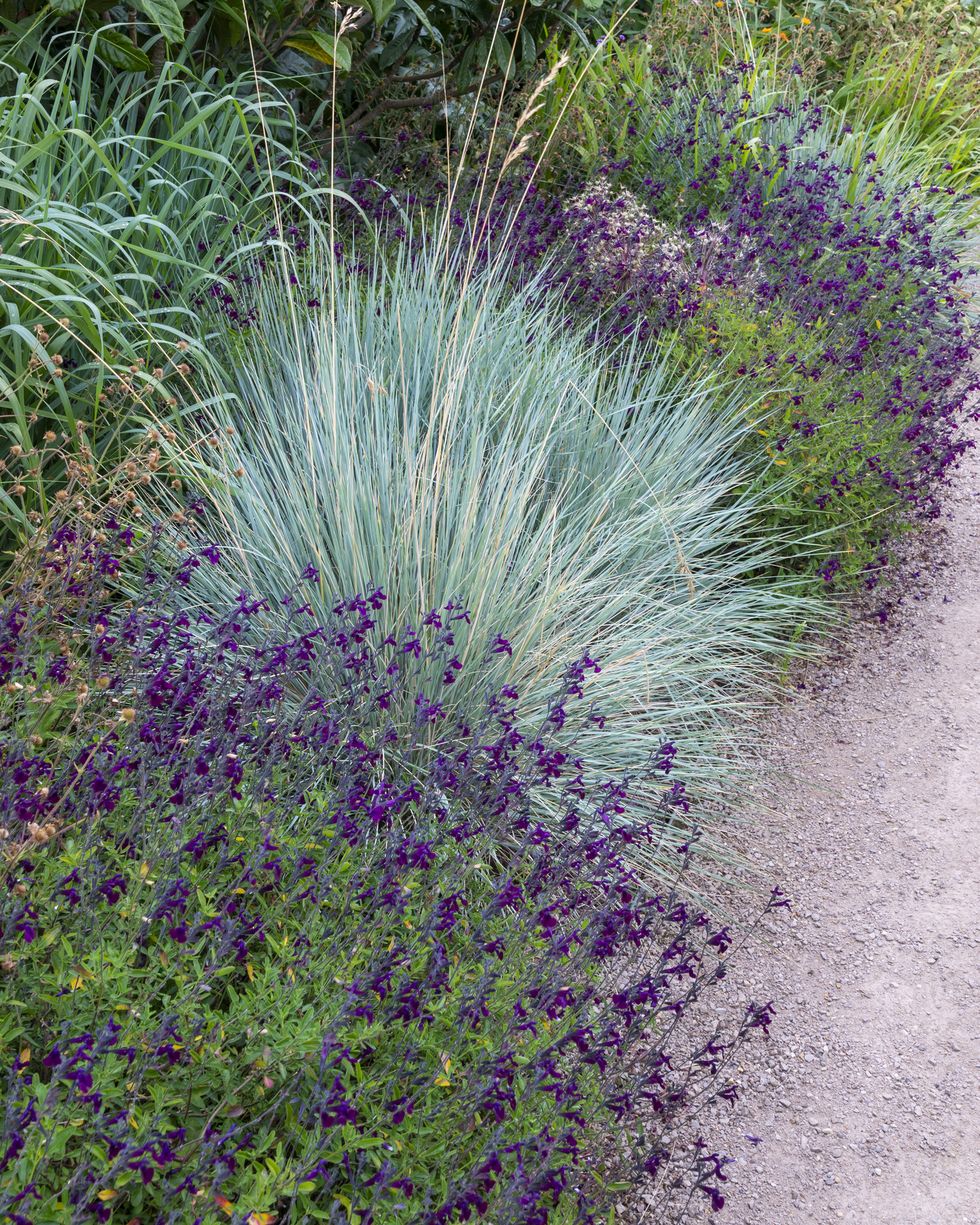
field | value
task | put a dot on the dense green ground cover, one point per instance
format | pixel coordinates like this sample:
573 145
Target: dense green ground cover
398 553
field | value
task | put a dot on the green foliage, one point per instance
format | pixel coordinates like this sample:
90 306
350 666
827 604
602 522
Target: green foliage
732 335
353 67
919 110
668 162
273 957
162 16
118 199
906 74
866 26
246 1037
921 118
345 67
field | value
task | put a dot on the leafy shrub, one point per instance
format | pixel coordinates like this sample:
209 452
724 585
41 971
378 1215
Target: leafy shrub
118 204
919 107
274 960
864 27
907 75
345 67
775 244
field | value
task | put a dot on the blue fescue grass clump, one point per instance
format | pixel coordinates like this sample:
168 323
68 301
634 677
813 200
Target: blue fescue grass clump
268 956
433 431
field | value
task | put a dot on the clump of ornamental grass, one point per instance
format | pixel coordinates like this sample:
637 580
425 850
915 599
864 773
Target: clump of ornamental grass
269 960
433 431
124 202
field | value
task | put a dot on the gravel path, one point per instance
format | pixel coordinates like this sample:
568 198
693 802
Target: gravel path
866 1100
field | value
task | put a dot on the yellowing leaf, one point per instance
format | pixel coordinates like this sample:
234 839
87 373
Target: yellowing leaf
261 1218
250 971
25 1055
77 983
327 48
225 1205
107 1195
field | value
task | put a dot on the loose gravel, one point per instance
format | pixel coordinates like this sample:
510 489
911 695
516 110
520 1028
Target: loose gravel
864 1105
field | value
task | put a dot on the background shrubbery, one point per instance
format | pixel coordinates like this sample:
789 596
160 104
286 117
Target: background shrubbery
786 251
352 66
724 217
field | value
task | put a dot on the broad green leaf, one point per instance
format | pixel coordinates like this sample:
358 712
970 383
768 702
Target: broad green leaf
503 54
165 15
326 48
395 47
434 33
381 10
121 52
66 6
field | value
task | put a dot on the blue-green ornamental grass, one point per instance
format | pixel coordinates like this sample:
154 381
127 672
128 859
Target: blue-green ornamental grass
266 960
437 434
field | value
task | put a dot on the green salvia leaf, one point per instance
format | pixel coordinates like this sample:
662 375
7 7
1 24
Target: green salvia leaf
165 15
